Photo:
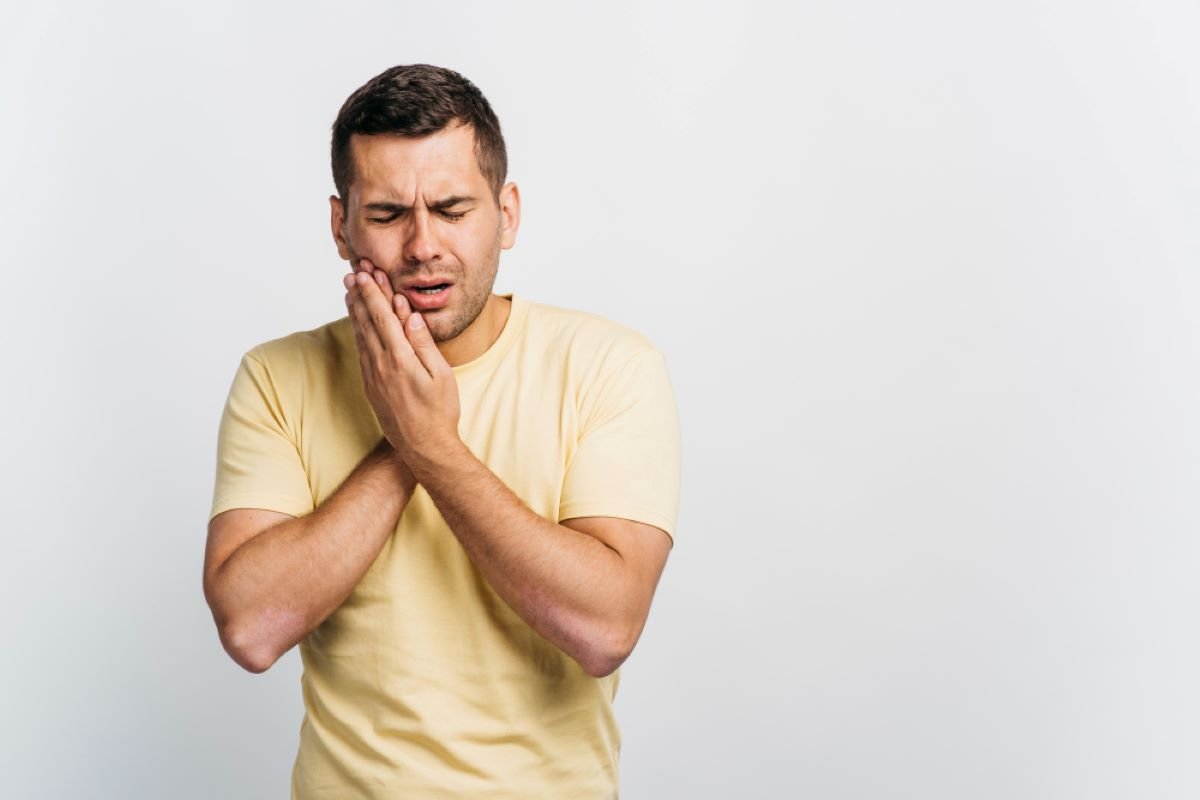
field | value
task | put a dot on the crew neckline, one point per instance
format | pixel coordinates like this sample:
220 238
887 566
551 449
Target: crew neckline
508 334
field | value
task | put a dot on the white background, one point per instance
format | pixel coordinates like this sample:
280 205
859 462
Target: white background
926 279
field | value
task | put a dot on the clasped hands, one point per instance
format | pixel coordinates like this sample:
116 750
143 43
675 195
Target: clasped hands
408 382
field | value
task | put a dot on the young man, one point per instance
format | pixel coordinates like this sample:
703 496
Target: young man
458 503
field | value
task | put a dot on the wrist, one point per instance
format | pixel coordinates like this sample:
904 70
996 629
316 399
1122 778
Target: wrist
435 458
387 457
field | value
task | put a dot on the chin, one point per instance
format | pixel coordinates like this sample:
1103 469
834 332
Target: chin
450 321
441 329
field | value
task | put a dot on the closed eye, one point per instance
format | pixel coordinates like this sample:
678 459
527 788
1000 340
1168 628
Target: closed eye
452 215
388 218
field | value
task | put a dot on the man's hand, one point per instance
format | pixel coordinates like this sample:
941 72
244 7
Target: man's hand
408 382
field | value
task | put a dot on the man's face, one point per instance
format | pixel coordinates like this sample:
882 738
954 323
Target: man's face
420 210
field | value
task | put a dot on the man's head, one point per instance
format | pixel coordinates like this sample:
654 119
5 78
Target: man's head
417 100
419 164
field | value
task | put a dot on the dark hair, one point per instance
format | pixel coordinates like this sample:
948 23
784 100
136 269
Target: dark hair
417 100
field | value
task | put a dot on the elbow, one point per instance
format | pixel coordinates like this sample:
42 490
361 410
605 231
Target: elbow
247 651
602 668
607 651
254 666
248 648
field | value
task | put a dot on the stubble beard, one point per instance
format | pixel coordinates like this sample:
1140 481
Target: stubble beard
448 323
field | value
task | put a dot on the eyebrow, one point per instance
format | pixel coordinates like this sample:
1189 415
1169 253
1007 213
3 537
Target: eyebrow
437 205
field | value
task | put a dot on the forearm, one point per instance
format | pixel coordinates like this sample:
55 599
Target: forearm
282 583
570 587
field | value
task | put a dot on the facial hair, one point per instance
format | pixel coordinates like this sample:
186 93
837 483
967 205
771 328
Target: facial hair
448 323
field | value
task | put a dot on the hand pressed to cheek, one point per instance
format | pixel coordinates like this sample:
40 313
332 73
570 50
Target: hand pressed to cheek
398 301
409 383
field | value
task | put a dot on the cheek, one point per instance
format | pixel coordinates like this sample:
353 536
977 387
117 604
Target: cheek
478 244
382 250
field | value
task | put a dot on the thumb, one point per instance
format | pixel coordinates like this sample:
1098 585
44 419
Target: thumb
423 344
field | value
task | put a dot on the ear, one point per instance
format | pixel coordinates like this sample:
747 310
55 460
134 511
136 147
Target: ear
337 221
510 214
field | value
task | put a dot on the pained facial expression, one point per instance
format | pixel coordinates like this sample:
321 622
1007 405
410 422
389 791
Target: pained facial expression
421 210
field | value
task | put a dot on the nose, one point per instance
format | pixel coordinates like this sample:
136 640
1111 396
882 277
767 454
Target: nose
422 245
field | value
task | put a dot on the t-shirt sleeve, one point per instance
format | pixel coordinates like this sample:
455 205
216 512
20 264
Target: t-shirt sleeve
628 459
258 462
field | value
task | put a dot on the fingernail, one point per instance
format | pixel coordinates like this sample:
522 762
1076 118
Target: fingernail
348 280
417 322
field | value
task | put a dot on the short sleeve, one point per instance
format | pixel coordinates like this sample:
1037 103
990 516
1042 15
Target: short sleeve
628 459
258 463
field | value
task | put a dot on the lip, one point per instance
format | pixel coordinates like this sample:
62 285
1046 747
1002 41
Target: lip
427 302
428 280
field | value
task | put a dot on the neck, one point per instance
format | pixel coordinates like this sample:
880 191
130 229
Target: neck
480 334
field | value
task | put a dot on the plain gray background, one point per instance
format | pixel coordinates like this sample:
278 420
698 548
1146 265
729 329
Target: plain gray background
926 279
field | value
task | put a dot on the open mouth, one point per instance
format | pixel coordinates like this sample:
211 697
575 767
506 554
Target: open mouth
428 298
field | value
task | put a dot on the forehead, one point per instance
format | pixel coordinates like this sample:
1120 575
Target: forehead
387 165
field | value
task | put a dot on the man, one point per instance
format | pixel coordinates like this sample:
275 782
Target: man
458 503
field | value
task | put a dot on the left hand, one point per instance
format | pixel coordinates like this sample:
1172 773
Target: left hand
408 382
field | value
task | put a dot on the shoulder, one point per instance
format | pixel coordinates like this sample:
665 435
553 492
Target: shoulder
303 349
585 338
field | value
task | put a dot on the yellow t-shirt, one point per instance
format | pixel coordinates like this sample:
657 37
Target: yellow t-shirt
424 683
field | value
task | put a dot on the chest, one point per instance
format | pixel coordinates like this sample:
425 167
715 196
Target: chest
522 426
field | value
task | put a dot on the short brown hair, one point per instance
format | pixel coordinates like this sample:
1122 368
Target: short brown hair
418 100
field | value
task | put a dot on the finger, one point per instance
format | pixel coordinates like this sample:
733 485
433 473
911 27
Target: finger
359 342
383 319
362 318
424 346
403 309
365 334
385 285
